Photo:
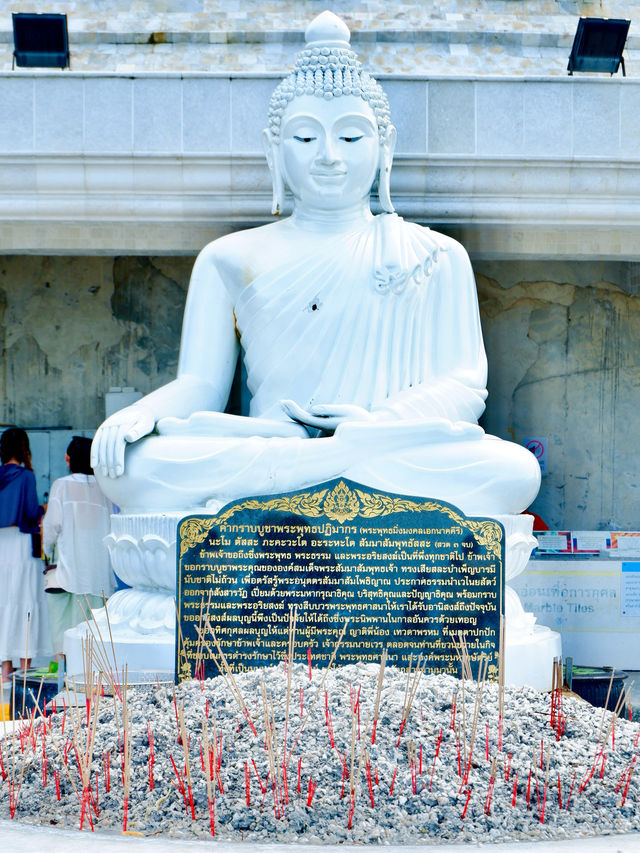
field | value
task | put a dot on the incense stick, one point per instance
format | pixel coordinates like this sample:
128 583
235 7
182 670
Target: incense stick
376 708
26 664
228 674
320 690
293 618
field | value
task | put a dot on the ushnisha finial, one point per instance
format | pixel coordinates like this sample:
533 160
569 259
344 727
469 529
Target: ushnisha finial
327 67
327 30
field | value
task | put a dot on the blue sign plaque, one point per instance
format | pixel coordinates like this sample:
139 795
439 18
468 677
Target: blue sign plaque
408 574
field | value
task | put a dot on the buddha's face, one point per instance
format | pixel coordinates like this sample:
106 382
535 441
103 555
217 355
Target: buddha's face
329 151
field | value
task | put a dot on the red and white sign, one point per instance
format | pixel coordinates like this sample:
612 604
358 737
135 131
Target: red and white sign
538 446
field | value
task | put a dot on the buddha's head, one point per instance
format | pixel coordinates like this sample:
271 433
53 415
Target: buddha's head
329 131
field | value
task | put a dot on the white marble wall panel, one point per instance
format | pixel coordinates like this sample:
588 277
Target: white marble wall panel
500 118
596 120
408 103
91 158
547 119
16 109
206 113
249 107
108 115
58 114
452 117
630 120
157 115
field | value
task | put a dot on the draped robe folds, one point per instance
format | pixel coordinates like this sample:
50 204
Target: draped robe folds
387 321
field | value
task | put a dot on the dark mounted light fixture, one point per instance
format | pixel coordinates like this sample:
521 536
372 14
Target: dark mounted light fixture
40 41
598 45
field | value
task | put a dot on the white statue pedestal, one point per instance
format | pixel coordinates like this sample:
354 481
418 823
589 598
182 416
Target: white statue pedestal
142 619
529 648
143 548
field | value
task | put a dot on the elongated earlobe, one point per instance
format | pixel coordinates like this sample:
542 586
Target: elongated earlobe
387 147
274 168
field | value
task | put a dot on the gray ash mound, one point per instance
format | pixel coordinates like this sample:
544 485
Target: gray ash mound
443 775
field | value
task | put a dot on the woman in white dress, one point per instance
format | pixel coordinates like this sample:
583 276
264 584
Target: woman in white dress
23 613
77 520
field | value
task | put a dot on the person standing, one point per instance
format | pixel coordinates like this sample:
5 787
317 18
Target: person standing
23 614
76 522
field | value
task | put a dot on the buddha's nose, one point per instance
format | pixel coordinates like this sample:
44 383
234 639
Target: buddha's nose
328 154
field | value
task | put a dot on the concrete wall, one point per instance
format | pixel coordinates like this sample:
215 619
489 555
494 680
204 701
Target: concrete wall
71 328
564 364
561 340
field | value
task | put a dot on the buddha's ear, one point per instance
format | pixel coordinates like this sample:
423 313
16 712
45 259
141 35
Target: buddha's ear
387 147
273 162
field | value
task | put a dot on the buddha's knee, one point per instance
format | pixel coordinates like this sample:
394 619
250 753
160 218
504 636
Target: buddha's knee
521 475
526 465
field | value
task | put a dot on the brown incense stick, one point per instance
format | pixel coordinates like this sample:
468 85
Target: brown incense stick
229 677
622 699
185 748
99 651
272 748
353 749
293 618
406 687
320 691
376 707
606 703
482 672
501 670
113 648
32 714
26 664
200 632
127 737
354 782
181 649
206 746
417 675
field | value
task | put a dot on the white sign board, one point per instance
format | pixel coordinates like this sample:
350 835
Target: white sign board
594 604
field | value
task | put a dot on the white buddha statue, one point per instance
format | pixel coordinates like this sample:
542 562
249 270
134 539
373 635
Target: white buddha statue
361 334
364 357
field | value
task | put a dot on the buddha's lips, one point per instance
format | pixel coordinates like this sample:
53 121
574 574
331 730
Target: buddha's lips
340 174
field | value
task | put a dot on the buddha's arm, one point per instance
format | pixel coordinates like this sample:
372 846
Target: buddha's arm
208 355
453 398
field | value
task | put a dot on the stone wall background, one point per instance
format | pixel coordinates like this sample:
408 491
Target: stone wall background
72 327
560 337
564 364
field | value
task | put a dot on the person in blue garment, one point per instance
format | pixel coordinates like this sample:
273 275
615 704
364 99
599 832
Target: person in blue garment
23 615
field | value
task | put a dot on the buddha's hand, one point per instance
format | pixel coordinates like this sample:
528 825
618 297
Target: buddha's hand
122 428
326 416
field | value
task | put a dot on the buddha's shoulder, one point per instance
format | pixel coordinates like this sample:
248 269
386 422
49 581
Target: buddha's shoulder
238 257
234 247
441 241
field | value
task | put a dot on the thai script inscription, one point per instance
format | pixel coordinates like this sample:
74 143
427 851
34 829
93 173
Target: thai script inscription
407 580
